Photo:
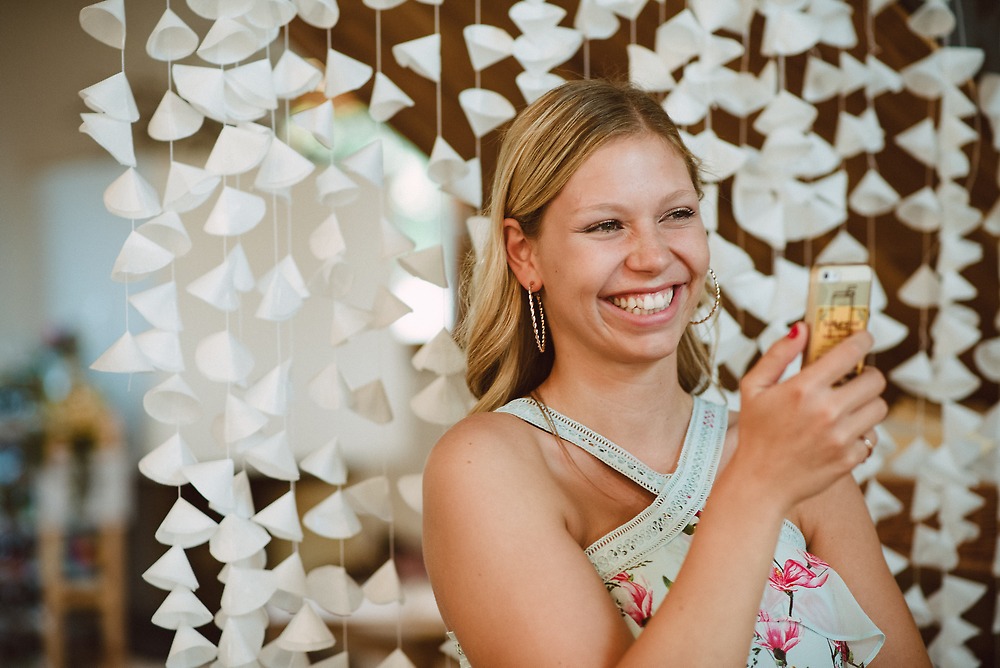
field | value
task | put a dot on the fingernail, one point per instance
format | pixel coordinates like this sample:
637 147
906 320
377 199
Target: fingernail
794 331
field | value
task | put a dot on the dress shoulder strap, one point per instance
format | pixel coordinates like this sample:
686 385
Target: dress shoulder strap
603 449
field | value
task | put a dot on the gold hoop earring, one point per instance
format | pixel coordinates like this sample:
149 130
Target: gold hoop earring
539 338
715 304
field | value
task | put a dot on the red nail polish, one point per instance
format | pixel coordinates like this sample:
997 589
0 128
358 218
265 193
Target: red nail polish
794 331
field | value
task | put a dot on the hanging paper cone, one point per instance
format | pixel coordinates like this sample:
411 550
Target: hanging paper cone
222 358
172 402
238 149
185 526
485 110
235 212
246 590
341 660
326 463
162 349
319 13
327 388
888 333
112 96
478 228
393 241
347 321
190 649
237 538
289 271
469 188
327 241
171 570
204 88
306 632
366 163
228 42
319 121
647 70
788 32
241 641
131 196
334 590
241 419
387 308
138 258
387 99
281 518
897 563
273 656
344 74
270 393
540 53
335 187
282 167
273 457
396 659
168 231
181 608
486 45
290 583
213 480
533 18
171 38
933 548
873 196
370 402
158 305
422 55
105 22
188 187
333 518
294 76
384 586
427 264
250 88
242 505
371 497
112 134
442 402
445 165
922 289
165 463
280 300
124 356
174 119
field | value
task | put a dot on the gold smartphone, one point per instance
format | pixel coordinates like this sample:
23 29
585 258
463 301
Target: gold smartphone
838 306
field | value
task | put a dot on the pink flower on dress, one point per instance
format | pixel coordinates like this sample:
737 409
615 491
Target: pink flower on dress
814 562
634 598
777 636
794 576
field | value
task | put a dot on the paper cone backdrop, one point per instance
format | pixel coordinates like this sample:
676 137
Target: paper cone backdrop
247 266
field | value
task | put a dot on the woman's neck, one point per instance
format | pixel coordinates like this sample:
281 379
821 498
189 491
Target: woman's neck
642 409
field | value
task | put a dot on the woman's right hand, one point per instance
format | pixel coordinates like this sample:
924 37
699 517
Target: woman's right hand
800 435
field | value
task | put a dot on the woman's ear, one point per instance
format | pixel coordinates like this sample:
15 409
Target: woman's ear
520 254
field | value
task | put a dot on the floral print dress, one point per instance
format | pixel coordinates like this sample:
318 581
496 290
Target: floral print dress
808 618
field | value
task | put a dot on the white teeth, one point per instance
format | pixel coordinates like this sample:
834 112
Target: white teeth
645 304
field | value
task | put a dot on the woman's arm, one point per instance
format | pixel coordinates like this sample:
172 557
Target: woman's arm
839 529
518 590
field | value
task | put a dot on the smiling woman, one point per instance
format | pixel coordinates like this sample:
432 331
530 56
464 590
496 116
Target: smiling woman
597 241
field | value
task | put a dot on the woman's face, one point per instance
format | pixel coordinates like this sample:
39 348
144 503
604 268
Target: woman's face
622 254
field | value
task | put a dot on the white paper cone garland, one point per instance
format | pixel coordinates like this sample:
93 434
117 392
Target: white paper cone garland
396 659
171 570
427 264
112 134
132 196
273 656
371 497
486 45
387 309
333 518
327 389
318 120
281 518
367 163
384 586
445 165
290 583
185 526
306 632
341 660
238 149
344 74
237 538
468 188
162 349
335 188
181 608
139 257
273 457
270 393
347 321
171 38
334 590
371 402
485 110
112 96
443 401
294 76
326 463
165 463
190 649
246 590
222 358
124 356
240 642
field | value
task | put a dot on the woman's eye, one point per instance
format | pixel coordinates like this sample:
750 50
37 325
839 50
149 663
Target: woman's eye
682 213
606 226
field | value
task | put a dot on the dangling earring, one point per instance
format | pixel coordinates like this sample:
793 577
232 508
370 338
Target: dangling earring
539 338
715 304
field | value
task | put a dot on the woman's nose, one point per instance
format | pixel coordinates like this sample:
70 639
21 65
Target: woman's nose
649 251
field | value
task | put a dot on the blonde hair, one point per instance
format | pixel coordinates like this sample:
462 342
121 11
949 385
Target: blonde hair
543 147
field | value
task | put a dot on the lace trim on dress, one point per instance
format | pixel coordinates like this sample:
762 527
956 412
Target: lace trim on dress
679 496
